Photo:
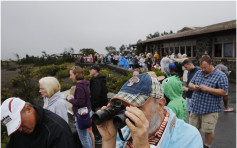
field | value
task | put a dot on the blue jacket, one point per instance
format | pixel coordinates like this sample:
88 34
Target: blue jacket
121 61
126 63
180 135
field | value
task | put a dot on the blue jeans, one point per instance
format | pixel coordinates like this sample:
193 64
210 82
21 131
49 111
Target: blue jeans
189 102
84 137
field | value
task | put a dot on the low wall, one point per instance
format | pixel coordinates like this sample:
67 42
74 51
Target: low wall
114 68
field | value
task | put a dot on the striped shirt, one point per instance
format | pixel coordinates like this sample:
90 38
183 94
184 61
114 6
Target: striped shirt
153 140
205 102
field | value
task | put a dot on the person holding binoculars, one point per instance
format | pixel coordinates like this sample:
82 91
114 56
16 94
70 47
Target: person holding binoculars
139 115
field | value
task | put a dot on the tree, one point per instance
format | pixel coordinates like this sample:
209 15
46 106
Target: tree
110 48
122 48
17 56
44 54
171 32
150 36
24 84
165 33
140 49
87 51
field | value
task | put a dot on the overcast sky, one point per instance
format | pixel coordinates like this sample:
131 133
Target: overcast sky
32 27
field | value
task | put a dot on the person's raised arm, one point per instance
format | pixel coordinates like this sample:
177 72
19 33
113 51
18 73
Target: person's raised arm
108 132
139 129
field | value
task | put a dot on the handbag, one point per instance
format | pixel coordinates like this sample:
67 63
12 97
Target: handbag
83 117
83 121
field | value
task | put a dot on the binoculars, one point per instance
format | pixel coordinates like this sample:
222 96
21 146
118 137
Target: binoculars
115 112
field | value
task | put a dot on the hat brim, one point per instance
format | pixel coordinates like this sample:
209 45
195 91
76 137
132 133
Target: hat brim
14 125
160 78
137 100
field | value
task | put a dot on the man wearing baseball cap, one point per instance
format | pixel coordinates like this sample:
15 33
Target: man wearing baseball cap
149 123
32 126
171 71
98 91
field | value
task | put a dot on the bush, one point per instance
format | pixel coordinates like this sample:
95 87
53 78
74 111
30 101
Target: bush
113 83
24 85
5 93
4 137
62 74
86 71
65 86
11 68
158 72
50 70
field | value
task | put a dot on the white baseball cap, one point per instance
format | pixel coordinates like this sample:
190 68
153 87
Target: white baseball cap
11 113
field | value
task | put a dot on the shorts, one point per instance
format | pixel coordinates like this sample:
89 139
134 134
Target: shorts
189 101
204 122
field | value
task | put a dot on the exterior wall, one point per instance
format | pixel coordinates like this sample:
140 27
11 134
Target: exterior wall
231 67
203 44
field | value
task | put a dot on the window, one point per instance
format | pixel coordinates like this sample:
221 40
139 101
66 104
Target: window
166 44
194 51
182 43
176 50
171 44
188 50
182 50
224 46
228 50
217 40
167 50
172 50
218 50
228 39
176 44
188 43
162 51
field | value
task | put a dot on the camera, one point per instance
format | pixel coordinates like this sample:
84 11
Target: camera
115 112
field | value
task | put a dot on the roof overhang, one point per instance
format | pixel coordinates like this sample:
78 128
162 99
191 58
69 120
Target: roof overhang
202 30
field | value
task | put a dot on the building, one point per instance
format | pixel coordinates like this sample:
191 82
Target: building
218 39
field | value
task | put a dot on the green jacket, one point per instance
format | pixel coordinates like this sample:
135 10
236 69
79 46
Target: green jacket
173 90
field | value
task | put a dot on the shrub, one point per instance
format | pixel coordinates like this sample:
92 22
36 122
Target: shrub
11 68
65 86
5 93
158 72
4 137
86 71
62 74
50 70
24 85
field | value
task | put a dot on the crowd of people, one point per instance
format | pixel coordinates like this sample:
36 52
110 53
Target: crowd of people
155 109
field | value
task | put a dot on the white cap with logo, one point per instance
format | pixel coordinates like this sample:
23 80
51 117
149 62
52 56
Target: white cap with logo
11 113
